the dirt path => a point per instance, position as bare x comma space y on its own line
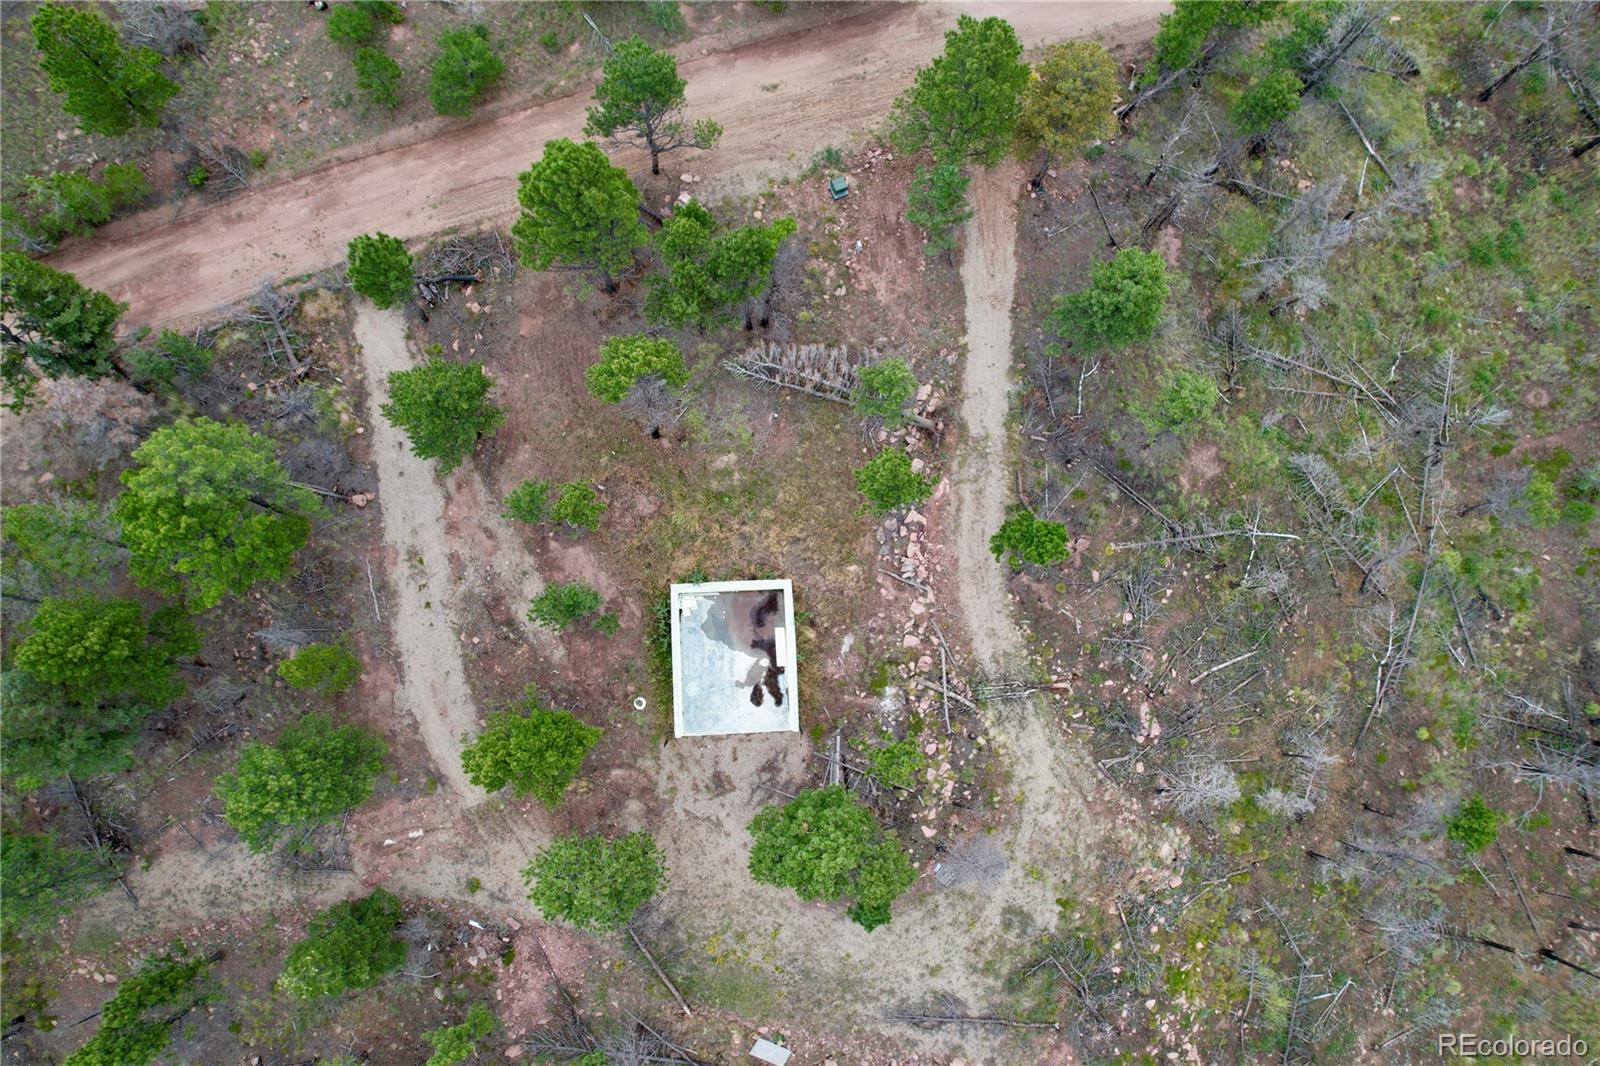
429, 612
780, 100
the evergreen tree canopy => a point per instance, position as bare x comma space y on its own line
888, 482
624, 360
378, 77
595, 883
52, 326
709, 273
454, 1044
1025, 537
1067, 104
109, 88
350, 945
640, 94
937, 201
536, 750
207, 509
884, 389
964, 105
380, 269
85, 676
444, 408
578, 211
136, 1023
40, 880
825, 844
1122, 305
465, 68
314, 773
1267, 101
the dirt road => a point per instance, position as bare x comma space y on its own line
780, 100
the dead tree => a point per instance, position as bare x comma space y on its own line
1200, 787
172, 31
269, 312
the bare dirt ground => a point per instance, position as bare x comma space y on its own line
794, 95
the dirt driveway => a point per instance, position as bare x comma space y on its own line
780, 100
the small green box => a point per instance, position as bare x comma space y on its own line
839, 188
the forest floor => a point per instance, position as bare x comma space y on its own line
796, 94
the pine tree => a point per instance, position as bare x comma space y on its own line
380, 269
109, 88
378, 77
444, 408
708, 273
624, 360
313, 774
937, 201
595, 883
640, 94
465, 68
1067, 104
964, 105
1123, 304
207, 509
578, 211
52, 326
350, 945
536, 750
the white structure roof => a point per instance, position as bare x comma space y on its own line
733, 658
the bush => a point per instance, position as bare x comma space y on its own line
1123, 303
578, 505
40, 880
351, 25
1024, 537
1474, 826
465, 68
169, 356
528, 502
1186, 401
327, 669
444, 408
314, 774
536, 750
624, 360
454, 1044
378, 77
885, 387
666, 16
888, 482
559, 605
897, 762
594, 883
348, 946
1266, 102
198, 176
825, 844
550, 41
383, 11
380, 268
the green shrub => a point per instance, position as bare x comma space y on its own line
624, 360
378, 77
550, 41
348, 946
897, 762
578, 505
328, 669
454, 1044
1266, 102
1187, 400
1024, 537
536, 750
169, 356
198, 176
666, 16
1474, 826
351, 25
884, 389
559, 605
383, 11
444, 408
888, 482
595, 883
1122, 305
465, 68
314, 774
528, 501
825, 844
